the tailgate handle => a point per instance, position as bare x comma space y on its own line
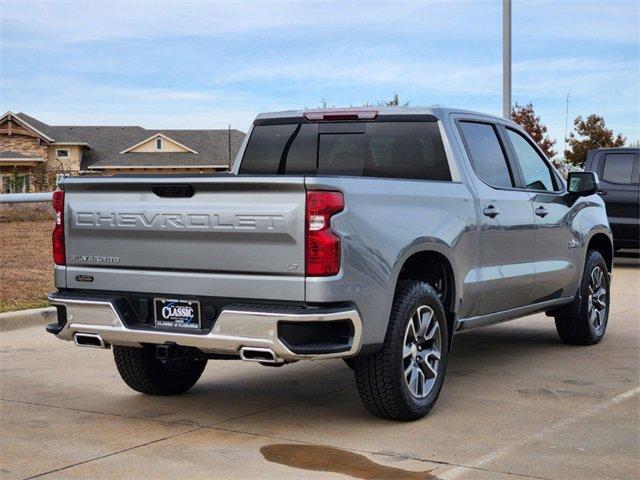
173, 191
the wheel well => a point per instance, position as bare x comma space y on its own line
601, 243
435, 269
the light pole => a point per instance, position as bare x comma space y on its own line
506, 58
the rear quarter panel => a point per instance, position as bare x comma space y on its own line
385, 221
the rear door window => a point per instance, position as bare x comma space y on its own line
410, 150
618, 168
487, 156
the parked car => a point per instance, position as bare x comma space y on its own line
619, 172
371, 235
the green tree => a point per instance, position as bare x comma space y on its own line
394, 102
526, 117
589, 134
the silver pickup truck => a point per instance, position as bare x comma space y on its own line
371, 235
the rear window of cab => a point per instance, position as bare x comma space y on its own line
408, 150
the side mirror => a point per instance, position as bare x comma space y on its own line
582, 184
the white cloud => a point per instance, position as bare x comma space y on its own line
96, 21
444, 52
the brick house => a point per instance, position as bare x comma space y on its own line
33, 153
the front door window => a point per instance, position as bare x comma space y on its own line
536, 171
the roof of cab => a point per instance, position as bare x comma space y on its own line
438, 112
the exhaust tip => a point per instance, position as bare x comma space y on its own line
90, 340
257, 354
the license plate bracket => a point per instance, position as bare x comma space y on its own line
178, 314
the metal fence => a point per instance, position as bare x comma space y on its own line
25, 197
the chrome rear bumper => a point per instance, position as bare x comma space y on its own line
233, 330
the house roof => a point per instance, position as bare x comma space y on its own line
27, 125
8, 155
106, 142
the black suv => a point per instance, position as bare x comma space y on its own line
619, 172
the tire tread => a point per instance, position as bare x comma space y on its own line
376, 374
142, 372
575, 330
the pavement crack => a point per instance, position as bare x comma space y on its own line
107, 455
95, 412
274, 407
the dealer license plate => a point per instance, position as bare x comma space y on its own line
175, 313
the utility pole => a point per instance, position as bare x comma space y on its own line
566, 124
506, 58
229, 143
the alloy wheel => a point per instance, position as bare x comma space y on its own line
597, 302
421, 351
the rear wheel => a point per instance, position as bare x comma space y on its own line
403, 380
145, 373
590, 323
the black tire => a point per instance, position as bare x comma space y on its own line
143, 372
349, 362
382, 384
579, 329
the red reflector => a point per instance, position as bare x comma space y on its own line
336, 114
57, 237
322, 246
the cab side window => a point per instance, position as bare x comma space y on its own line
488, 158
536, 171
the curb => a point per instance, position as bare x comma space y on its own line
26, 318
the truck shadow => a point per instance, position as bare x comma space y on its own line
314, 384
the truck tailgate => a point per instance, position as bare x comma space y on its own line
212, 224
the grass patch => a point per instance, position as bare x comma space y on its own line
12, 305
26, 212
26, 264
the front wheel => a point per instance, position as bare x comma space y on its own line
590, 323
403, 380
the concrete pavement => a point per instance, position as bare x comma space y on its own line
516, 404
26, 318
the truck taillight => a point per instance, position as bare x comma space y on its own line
341, 114
322, 246
57, 238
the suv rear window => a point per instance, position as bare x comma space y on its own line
410, 150
618, 167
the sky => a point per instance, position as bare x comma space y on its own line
210, 64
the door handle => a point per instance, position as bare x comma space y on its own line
542, 212
602, 193
491, 211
